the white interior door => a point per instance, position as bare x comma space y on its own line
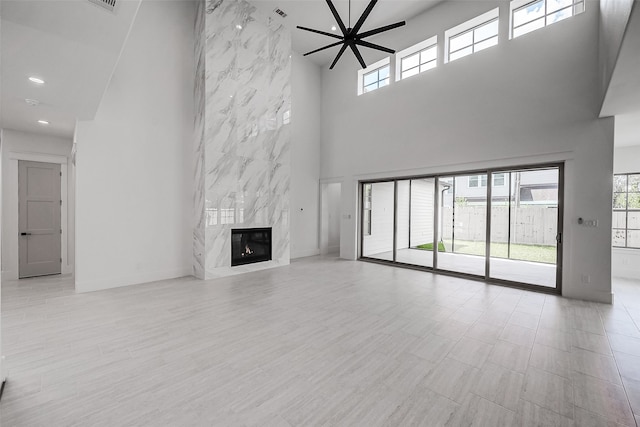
39, 218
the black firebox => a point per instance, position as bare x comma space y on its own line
249, 245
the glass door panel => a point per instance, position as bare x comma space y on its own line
463, 222
524, 226
378, 220
415, 237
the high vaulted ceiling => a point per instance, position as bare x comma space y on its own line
623, 97
316, 14
73, 45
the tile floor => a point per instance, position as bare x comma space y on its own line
321, 342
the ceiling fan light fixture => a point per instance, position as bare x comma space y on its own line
352, 37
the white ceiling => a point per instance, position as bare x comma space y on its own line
73, 45
316, 14
623, 96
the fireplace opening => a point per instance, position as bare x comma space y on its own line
250, 245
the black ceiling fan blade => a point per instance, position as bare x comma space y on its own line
364, 16
323, 48
381, 29
335, 61
374, 46
324, 33
356, 52
337, 17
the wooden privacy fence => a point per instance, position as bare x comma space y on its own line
530, 225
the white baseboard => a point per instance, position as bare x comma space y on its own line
118, 282
9, 275
305, 254
590, 295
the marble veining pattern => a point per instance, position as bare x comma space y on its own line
199, 152
246, 144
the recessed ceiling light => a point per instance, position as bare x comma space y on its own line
32, 102
36, 80
43, 122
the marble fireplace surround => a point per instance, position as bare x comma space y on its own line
243, 139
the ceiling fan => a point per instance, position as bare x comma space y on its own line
351, 37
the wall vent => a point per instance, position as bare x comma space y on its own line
280, 12
107, 4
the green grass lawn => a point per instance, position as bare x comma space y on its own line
429, 247
533, 253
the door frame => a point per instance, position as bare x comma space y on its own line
323, 226
561, 165
12, 219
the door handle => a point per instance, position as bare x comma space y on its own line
25, 234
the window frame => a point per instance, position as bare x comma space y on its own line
471, 26
496, 175
419, 48
517, 5
480, 181
386, 62
367, 199
624, 210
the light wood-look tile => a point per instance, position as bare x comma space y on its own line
603, 398
549, 391
532, 415
625, 344
551, 360
471, 351
476, 411
486, 332
320, 342
592, 342
554, 338
595, 365
628, 365
526, 320
499, 385
518, 335
584, 418
632, 387
452, 379
510, 356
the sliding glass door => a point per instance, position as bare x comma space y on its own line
524, 226
415, 226
463, 236
501, 225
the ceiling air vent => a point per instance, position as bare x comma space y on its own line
107, 4
280, 12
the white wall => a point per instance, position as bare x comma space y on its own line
2, 375
333, 197
381, 238
626, 262
306, 96
17, 146
627, 159
530, 100
422, 212
404, 213
614, 16
133, 167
